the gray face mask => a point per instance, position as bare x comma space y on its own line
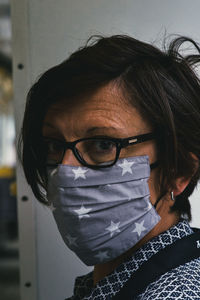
102, 213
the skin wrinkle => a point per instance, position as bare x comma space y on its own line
97, 117
106, 108
95, 110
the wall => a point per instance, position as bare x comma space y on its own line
46, 32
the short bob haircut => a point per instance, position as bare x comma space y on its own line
162, 85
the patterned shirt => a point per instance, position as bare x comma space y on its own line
182, 282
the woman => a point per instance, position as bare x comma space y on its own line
111, 140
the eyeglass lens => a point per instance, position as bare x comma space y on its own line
93, 152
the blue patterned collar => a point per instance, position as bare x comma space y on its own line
112, 283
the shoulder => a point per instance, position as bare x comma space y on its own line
179, 283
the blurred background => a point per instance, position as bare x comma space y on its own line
9, 246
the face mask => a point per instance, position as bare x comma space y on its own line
102, 213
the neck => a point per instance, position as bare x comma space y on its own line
167, 220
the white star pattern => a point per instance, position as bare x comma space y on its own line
113, 228
139, 227
79, 173
83, 212
101, 255
126, 167
71, 240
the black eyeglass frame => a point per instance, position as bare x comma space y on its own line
120, 143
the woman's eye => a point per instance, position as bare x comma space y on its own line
96, 147
97, 151
99, 148
53, 151
53, 147
103, 146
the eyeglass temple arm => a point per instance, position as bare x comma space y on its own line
141, 138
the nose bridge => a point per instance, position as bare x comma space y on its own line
69, 145
69, 157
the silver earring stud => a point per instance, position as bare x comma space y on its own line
172, 196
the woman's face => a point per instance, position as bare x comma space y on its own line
104, 113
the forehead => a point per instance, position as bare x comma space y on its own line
106, 107
107, 97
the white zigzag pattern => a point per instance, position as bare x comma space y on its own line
180, 283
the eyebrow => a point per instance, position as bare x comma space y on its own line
96, 128
92, 129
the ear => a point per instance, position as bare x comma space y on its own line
181, 184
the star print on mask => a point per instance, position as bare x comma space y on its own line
102, 212
83, 212
126, 167
79, 173
102, 255
113, 228
71, 240
139, 228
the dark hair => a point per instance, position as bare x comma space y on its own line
162, 85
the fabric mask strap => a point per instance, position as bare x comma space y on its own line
159, 198
154, 165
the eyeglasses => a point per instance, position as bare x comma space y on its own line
93, 152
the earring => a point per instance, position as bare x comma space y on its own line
172, 196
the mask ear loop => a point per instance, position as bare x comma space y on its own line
173, 198
159, 198
171, 194
153, 166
